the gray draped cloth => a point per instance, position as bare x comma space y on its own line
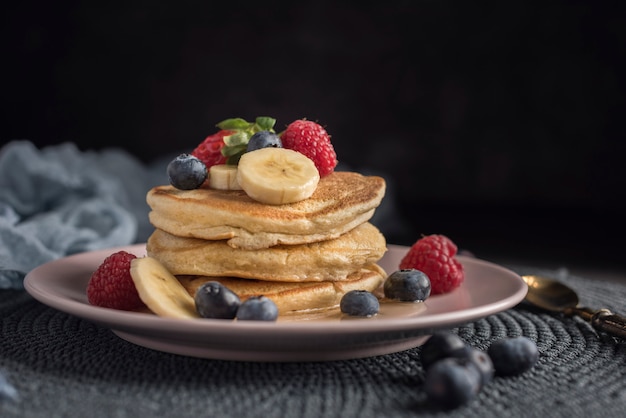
59, 201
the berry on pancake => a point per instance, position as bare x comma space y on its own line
228, 144
312, 140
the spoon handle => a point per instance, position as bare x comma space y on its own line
603, 320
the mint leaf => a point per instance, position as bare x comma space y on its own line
234, 124
265, 123
236, 139
230, 151
234, 159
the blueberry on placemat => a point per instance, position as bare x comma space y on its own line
512, 356
450, 383
441, 345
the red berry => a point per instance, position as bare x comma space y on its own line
434, 255
111, 285
210, 150
312, 140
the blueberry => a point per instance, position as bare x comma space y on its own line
512, 356
214, 300
441, 345
407, 285
450, 383
483, 364
186, 172
258, 308
359, 303
264, 139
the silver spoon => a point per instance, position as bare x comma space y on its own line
554, 296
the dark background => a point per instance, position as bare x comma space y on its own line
497, 123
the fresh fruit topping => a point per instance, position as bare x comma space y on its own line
231, 141
223, 177
186, 172
257, 308
216, 301
434, 255
312, 140
513, 356
264, 139
160, 290
441, 345
111, 285
209, 151
449, 383
407, 285
277, 175
359, 303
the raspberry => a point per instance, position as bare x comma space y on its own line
111, 285
434, 255
312, 140
209, 151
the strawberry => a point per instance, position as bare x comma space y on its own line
209, 151
312, 140
111, 285
434, 255
228, 144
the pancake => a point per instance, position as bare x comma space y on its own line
330, 260
342, 201
296, 297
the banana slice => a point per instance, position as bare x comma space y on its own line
277, 175
160, 290
223, 177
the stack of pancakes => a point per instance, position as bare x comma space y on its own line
304, 255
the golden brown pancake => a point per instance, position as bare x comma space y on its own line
330, 260
295, 297
342, 201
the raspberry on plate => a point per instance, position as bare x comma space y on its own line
111, 285
434, 255
312, 140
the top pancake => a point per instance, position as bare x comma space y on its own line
342, 201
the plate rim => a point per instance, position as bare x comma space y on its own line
149, 326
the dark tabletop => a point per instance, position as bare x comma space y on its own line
64, 366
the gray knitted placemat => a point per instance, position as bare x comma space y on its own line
63, 366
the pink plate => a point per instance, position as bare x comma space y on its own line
487, 289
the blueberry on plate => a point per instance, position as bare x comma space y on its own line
441, 345
407, 285
214, 300
257, 308
264, 139
186, 172
513, 356
359, 303
450, 383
